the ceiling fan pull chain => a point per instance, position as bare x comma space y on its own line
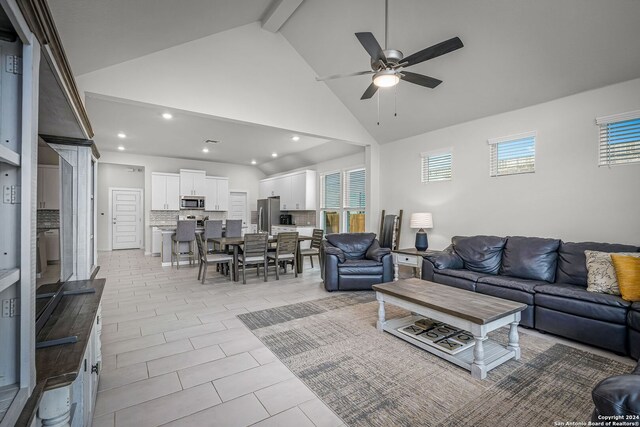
378, 93
395, 101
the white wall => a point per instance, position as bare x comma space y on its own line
242, 178
568, 196
113, 175
246, 74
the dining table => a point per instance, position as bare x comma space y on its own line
237, 242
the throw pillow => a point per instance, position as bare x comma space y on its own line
601, 275
628, 272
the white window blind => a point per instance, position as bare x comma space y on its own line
354, 181
436, 167
619, 139
331, 190
513, 154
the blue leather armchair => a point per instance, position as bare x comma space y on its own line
354, 261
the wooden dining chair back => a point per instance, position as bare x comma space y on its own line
207, 258
185, 233
314, 249
254, 253
212, 230
286, 251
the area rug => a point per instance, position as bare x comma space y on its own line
375, 379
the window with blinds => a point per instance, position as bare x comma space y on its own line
619, 141
354, 183
436, 167
513, 154
331, 190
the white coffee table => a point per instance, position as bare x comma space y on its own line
466, 310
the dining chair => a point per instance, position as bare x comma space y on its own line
212, 230
254, 253
207, 258
314, 249
185, 233
233, 228
286, 251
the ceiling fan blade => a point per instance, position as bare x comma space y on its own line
339, 76
371, 45
420, 79
371, 90
434, 51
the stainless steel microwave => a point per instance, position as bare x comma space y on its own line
192, 202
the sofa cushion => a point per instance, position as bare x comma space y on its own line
576, 292
480, 253
446, 258
532, 258
462, 273
360, 266
354, 245
572, 264
601, 275
633, 319
512, 283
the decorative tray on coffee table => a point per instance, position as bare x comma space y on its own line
438, 334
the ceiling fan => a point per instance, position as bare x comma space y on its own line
387, 66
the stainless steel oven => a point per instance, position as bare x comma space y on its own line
192, 202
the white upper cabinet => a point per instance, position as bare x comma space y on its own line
216, 194
192, 182
48, 187
297, 190
165, 191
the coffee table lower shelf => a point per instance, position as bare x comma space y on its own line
494, 353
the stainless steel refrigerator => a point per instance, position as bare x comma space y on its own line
268, 214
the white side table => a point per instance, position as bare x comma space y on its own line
410, 257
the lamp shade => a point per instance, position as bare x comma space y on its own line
421, 220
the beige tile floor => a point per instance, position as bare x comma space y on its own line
174, 352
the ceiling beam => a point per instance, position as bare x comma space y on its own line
278, 13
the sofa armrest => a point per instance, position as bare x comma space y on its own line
329, 250
445, 259
376, 253
619, 395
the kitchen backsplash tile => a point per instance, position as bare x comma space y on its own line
48, 218
298, 217
171, 217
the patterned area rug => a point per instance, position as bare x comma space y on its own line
375, 379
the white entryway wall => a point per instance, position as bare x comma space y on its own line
118, 176
568, 196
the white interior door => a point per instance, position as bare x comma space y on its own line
126, 218
238, 206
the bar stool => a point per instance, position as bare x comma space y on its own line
212, 230
185, 233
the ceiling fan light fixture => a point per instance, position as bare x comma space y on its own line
386, 78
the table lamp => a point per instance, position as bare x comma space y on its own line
421, 221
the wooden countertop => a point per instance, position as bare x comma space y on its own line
58, 366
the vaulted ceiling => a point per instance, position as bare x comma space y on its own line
207, 57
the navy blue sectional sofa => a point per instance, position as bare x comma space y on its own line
548, 275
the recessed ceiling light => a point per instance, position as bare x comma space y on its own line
167, 116
274, 154
296, 138
253, 162
122, 135
121, 148
205, 150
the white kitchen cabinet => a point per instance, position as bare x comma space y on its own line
216, 194
192, 182
165, 191
48, 187
297, 190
